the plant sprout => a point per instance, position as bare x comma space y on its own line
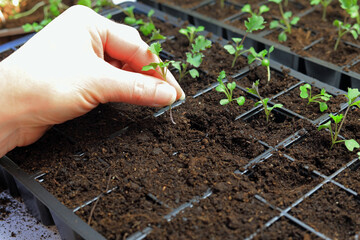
264, 101
130, 18
285, 22
193, 58
324, 3
352, 8
228, 90
262, 56
160, 67
305, 92
252, 24
262, 9
190, 32
339, 120
344, 28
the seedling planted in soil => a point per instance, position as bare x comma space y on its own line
190, 32
344, 28
339, 120
228, 90
193, 58
285, 23
324, 3
262, 56
352, 8
160, 67
305, 92
264, 101
262, 9
252, 24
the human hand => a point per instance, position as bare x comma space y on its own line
79, 60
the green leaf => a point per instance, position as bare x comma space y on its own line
177, 65
287, 14
240, 100
325, 125
201, 43
246, 8
184, 31
224, 101
304, 90
315, 2
156, 35
150, 13
129, 20
257, 103
353, 93
86, 3
282, 37
271, 49
278, 105
151, 66
274, 24
254, 23
351, 144
323, 106
147, 28
337, 118
354, 33
263, 9
155, 48
231, 86
294, 21
27, 27
337, 23
237, 40
194, 59
194, 73
230, 49
253, 91
222, 75
276, 1
221, 88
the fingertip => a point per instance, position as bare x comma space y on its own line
165, 94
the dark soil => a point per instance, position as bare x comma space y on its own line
295, 103
350, 178
215, 10
183, 3
331, 211
123, 169
356, 67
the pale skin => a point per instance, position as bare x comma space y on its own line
78, 61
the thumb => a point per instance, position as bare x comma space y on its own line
117, 85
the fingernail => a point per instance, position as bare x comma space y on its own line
182, 95
165, 95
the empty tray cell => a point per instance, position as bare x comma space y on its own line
350, 177
230, 211
331, 211
280, 181
122, 212
285, 229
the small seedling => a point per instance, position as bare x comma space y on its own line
344, 28
264, 101
262, 9
160, 67
263, 56
285, 23
339, 120
130, 18
148, 27
253, 23
228, 90
190, 32
352, 8
193, 58
51, 11
305, 92
324, 3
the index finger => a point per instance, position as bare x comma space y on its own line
124, 43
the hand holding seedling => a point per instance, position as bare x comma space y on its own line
352, 96
305, 92
69, 68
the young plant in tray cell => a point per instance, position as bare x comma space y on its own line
253, 23
285, 23
344, 28
193, 58
324, 3
263, 56
160, 67
130, 18
262, 9
352, 8
264, 101
339, 120
190, 32
228, 91
321, 98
